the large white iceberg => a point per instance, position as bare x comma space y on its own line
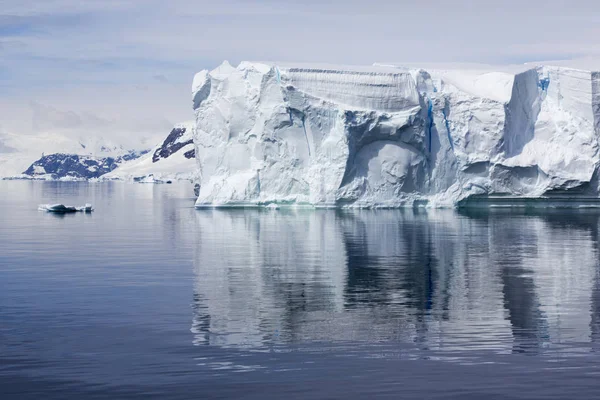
387, 136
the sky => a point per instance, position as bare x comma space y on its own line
123, 68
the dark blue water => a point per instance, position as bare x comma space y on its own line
149, 298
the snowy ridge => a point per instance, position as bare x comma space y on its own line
390, 137
173, 159
179, 137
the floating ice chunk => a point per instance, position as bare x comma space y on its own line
62, 209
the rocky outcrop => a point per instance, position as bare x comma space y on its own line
177, 139
74, 166
56, 166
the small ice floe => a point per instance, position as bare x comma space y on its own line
272, 206
62, 209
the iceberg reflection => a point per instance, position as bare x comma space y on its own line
434, 281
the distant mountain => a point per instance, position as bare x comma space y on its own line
56, 166
173, 159
17, 152
48, 150
56, 157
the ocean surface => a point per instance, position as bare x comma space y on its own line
149, 298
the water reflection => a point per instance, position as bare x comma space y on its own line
434, 281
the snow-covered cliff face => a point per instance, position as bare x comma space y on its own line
384, 136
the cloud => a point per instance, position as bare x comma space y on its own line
99, 49
50, 118
4, 148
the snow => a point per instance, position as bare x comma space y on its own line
496, 86
174, 167
39, 170
393, 135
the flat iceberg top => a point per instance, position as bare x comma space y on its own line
391, 68
587, 64
359, 87
494, 82
365, 69
584, 64
384, 85
491, 81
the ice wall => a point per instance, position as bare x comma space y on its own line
392, 137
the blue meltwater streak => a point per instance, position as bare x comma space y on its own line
431, 123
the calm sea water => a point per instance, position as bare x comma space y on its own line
149, 298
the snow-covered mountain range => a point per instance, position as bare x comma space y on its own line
61, 166
388, 136
58, 157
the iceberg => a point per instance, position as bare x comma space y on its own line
393, 136
62, 209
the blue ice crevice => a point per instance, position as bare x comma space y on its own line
431, 122
544, 83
